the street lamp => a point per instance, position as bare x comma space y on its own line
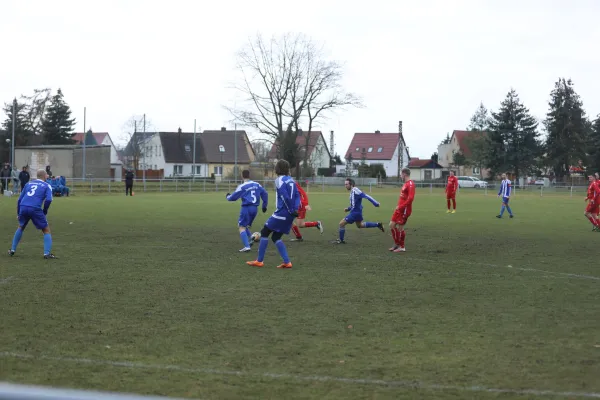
11, 153
221, 150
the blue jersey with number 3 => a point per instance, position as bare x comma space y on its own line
34, 194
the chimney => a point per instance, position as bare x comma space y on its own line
376, 132
299, 132
179, 130
223, 129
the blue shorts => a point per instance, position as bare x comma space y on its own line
353, 217
280, 223
505, 200
247, 215
36, 215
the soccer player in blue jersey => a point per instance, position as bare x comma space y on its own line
33, 205
287, 202
251, 193
355, 211
505, 190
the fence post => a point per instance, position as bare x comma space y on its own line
109, 186
160, 185
204, 185
190, 185
370, 188
91, 185
176, 184
571, 190
431, 188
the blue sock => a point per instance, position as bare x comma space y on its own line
342, 233
509, 210
282, 251
244, 237
370, 224
16, 239
248, 233
502, 210
262, 248
47, 243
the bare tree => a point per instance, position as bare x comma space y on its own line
262, 148
286, 82
133, 133
35, 108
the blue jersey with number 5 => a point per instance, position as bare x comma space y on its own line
34, 194
251, 193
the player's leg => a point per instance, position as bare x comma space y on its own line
243, 222
295, 228
40, 222
453, 202
276, 238
342, 229
24, 219
588, 214
262, 247
367, 224
508, 207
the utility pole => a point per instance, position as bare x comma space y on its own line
400, 150
235, 151
12, 144
194, 155
145, 148
84, 137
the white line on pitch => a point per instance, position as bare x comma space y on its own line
313, 378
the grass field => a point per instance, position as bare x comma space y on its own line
150, 295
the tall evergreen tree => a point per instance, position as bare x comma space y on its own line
567, 127
594, 146
479, 120
57, 125
514, 144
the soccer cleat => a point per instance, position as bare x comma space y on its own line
297, 240
320, 226
400, 250
448, 212
453, 212
50, 256
498, 216
338, 241
285, 265
255, 263
380, 226
512, 216
394, 248
245, 250
11, 253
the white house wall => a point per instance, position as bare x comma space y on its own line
153, 155
114, 156
320, 156
445, 154
418, 174
186, 170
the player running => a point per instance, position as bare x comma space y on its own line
29, 208
251, 193
451, 188
287, 203
505, 190
402, 212
300, 223
355, 211
593, 200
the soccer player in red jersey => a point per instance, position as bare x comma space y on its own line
402, 212
451, 188
299, 223
591, 211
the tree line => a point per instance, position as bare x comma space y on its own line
510, 139
39, 119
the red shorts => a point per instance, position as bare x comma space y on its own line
451, 195
301, 212
401, 216
592, 208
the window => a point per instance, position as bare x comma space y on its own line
177, 169
427, 174
188, 148
357, 149
370, 150
476, 171
379, 150
218, 170
198, 170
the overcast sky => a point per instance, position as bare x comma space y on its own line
427, 62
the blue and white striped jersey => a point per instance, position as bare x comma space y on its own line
505, 188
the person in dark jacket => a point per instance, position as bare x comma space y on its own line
5, 177
129, 183
24, 177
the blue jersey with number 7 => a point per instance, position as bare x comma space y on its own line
34, 194
251, 193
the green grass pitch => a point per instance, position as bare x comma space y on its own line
150, 295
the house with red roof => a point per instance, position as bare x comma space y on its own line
459, 142
424, 170
314, 144
102, 138
377, 148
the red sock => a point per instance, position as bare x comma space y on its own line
448, 201
296, 232
396, 236
311, 224
402, 237
593, 221
453, 204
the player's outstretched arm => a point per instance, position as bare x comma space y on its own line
47, 200
372, 200
235, 195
